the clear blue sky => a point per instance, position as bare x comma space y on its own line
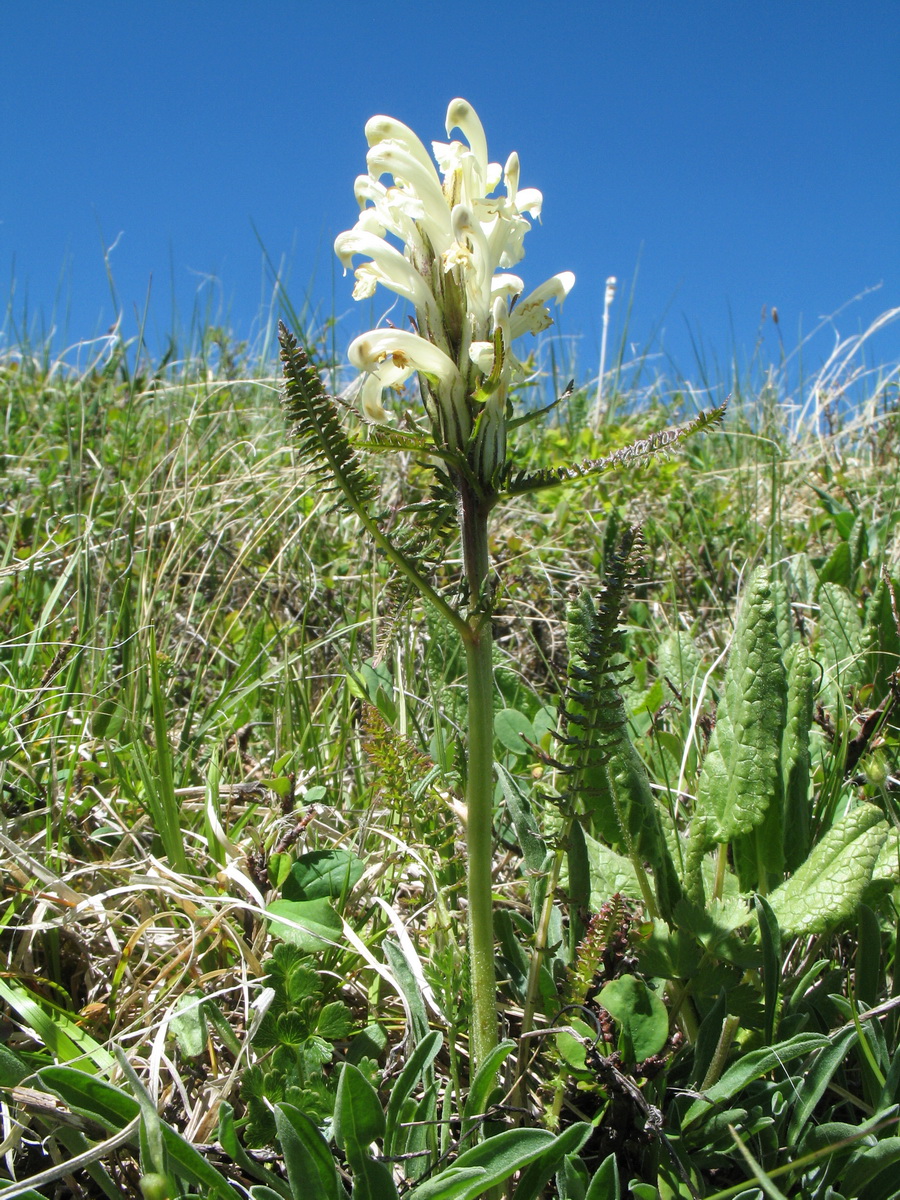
732, 153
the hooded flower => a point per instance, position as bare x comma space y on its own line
444, 238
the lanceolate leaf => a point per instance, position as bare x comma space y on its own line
828, 888
840, 636
310, 1164
495, 1160
753, 1066
795, 762
741, 776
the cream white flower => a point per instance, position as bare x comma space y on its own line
459, 227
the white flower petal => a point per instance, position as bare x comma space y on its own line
388, 266
389, 158
532, 315
370, 400
529, 200
391, 352
507, 285
461, 115
387, 129
482, 355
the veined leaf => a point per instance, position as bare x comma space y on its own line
741, 778
606, 773
840, 636
795, 760
828, 888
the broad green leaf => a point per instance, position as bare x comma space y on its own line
770, 940
307, 924
868, 1163
708, 1039
827, 889
310, 1165
741, 776
840, 637
610, 872
881, 641
189, 1024
510, 728
607, 773
678, 660
531, 843
372, 1180
452, 1184
334, 1021
811, 1087
642, 1016
886, 871
496, 1158
322, 875
231, 1144
795, 755
358, 1115
572, 1179
410, 987
12, 1069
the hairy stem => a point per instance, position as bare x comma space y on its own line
480, 778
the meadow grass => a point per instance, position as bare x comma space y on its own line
207, 672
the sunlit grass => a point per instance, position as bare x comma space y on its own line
193, 642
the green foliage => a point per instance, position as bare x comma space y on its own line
604, 773
294, 1043
316, 427
176, 806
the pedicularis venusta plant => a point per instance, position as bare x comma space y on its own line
445, 239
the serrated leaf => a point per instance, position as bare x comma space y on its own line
840, 636
741, 776
335, 1021
827, 889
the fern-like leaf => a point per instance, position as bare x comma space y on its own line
315, 425
633, 454
606, 776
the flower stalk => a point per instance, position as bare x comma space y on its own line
443, 239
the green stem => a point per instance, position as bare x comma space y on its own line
480, 776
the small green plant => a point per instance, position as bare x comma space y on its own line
293, 1044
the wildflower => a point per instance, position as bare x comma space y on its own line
460, 226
